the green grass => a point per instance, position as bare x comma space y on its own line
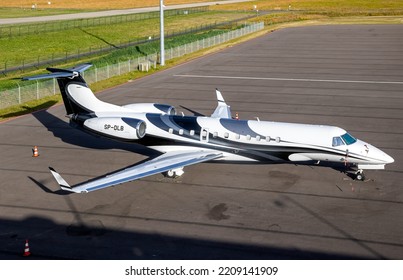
47, 102
15, 50
151, 48
332, 6
24, 12
29, 107
315, 12
121, 54
15, 30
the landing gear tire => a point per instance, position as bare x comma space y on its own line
170, 174
174, 173
360, 176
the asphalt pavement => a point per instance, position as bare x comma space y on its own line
350, 76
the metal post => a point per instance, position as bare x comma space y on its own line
96, 74
162, 47
19, 93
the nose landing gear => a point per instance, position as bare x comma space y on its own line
359, 175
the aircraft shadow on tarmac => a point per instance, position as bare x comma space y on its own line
46, 189
92, 240
67, 134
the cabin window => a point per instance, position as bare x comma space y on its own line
337, 141
258, 138
226, 135
192, 132
248, 137
215, 134
268, 138
348, 139
278, 139
181, 131
171, 130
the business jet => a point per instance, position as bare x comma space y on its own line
186, 140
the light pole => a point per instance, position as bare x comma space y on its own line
162, 46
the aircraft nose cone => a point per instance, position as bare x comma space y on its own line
377, 155
384, 157
388, 159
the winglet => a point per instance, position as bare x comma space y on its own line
222, 110
62, 183
220, 98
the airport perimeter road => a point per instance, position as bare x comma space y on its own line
111, 12
349, 76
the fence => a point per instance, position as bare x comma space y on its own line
23, 64
43, 88
26, 29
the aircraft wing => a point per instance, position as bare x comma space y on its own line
162, 163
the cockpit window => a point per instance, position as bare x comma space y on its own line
337, 141
348, 139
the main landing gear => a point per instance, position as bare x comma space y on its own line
174, 173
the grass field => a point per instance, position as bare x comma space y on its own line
91, 4
20, 13
15, 50
302, 12
23, 8
339, 5
347, 6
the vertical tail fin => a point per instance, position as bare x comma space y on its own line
64, 78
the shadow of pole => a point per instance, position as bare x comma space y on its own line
339, 230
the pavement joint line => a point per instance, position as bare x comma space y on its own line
289, 79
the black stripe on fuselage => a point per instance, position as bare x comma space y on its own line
239, 127
262, 153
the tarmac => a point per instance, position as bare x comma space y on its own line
349, 76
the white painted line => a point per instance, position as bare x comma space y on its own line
291, 79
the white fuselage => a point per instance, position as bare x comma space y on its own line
256, 141
239, 140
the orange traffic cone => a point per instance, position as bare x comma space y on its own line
236, 116
35, 152
26, 250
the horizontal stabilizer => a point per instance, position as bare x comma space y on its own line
79, 68
60, 73
49, 76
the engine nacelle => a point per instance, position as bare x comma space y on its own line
151, 108
121, 128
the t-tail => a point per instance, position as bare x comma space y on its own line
77, 96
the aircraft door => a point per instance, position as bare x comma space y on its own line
204, 135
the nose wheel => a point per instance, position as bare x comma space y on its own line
359, 175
